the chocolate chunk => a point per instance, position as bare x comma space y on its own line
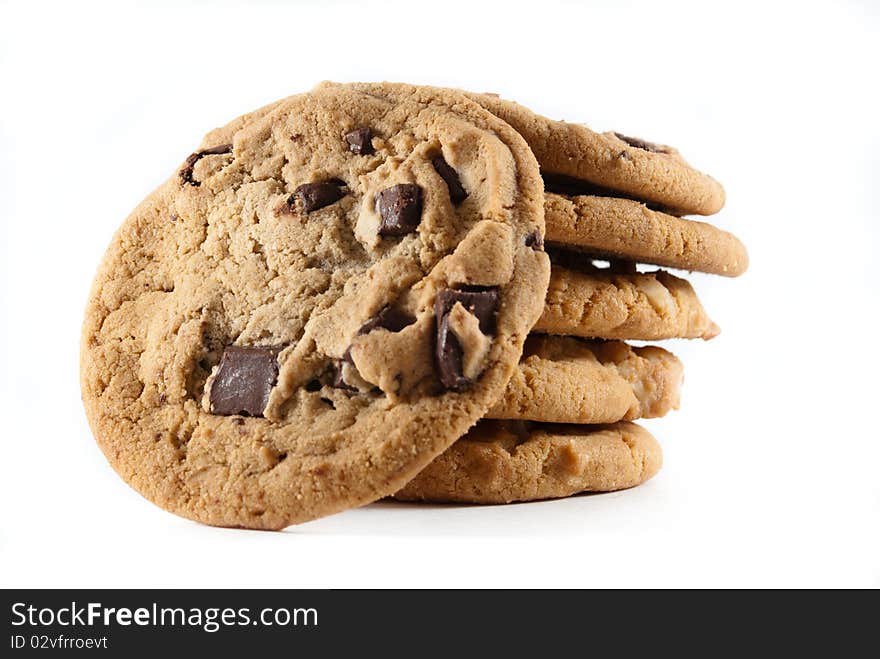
216, 150
457, 193
244, 380
535, 240
186, 174
313, 196
642, 144
400, 207
390, 319
481, 302
360, 141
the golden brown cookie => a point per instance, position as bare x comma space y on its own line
603, 304
569, 380
505, 461
626, 229
327, 294
626, 166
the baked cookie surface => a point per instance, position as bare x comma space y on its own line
604, 304
628, 166
569, 380
627, 229
506, 461
327, 294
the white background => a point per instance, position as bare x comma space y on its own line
772, 465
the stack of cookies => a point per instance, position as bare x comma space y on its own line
564, 424
376, 290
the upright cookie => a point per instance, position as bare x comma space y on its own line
604, 304
627, 166
327, 294
569, 380
505, 461
626, 229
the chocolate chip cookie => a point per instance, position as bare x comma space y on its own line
607, 303
611, 163
629, 230
506, 461
570, 380
326, 294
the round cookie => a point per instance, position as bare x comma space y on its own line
629, 166
626, 229
327, 294
505, 461
569, 380
604, 304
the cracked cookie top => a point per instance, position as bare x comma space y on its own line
327, 293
